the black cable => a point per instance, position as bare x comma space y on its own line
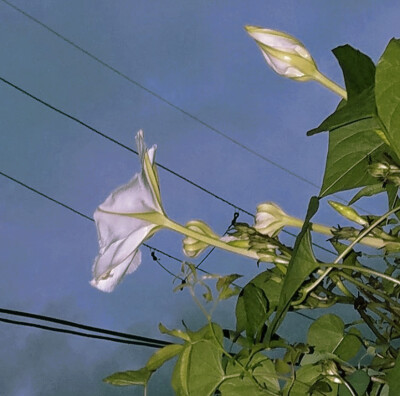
81, 334
135, 152
82, 326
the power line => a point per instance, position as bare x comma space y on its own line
135, 152
63, 322
120, 144
161, 98
78, 333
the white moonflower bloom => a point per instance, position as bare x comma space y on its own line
123, 222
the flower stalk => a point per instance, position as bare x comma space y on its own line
164, 221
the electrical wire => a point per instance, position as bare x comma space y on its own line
161, 98
77, 333
236, 207
63, 322
117, 336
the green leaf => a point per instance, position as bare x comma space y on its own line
392, 192
326, 333
387, 89
348, 157
251, 310
263, 371
359, 76
224, 286
127, 378
350, 345
162, 355
301, 265
360, 108
306, 377
174, 333
393, 378
367, 191
359, 381
358, 69
270, 281
225, 281
198, 371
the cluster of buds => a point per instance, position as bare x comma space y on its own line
386, 170
268, 248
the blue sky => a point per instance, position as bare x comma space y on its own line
196, 55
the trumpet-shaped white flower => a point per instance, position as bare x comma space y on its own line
123, 222
285, 54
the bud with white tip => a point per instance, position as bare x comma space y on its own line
193, 247
285, 54
270, 219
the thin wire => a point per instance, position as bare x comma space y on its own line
81, 326
135, 152
119, 143
161, 98
79, 333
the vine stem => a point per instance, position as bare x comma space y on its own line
325, 230
162, 220
360, 269
344, 253
369, 288
325, 81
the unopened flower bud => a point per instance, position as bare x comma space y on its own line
270, 219
385, 170
379, 169
193, 247
348, 213
331, 372
285, 54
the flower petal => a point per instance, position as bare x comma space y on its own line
108, 282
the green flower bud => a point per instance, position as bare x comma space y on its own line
191, 246
348, 213
379, 169
285, 54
